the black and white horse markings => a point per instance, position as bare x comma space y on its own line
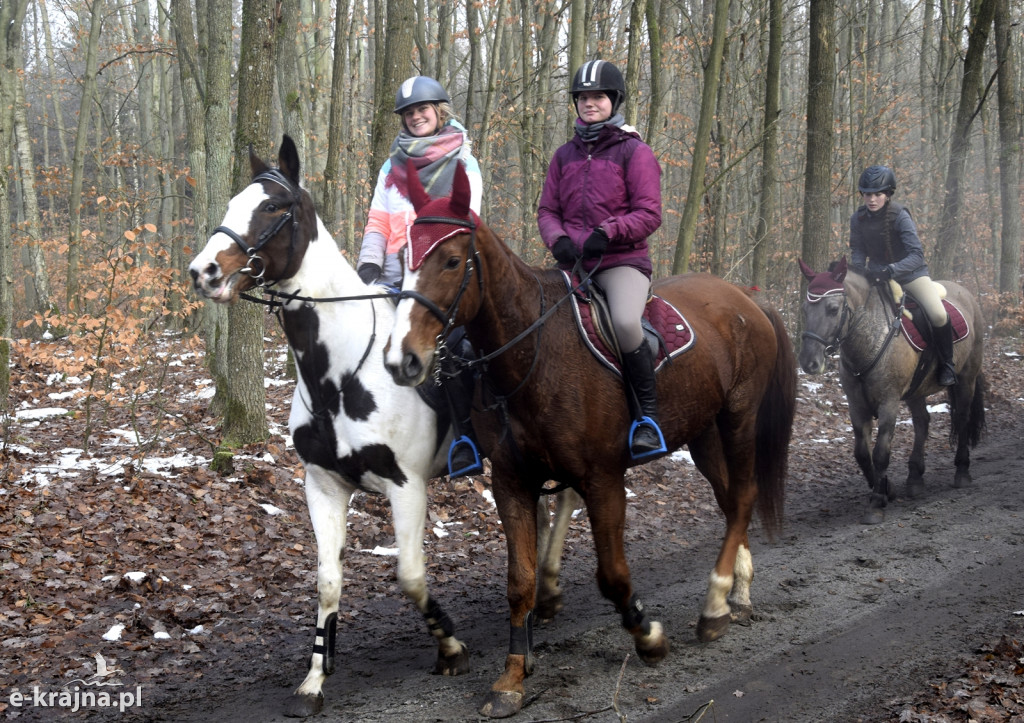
352, 426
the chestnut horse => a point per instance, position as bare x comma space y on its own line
561, 413
878, 369
353, 428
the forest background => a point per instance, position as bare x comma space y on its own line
124, 129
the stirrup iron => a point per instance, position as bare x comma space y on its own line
648, 422
475, 467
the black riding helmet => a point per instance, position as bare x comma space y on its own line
599, 75
877, 179
419, 89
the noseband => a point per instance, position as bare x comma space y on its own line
257, 266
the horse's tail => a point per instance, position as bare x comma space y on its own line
774, 427
974, 418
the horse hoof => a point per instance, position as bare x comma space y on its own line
457, 664
501, 704
709, 629
653, 647
962, 479
874, 516
914, 489
302, 705
548, 605
741, 614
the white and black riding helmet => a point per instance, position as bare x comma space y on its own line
599, 75
877, 179
419, 89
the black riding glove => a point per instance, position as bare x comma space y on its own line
563, 251
595, 244
368, 273
880, 276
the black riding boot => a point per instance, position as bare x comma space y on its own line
645, 437
946, 371
464, 452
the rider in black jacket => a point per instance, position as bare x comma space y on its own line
884, 245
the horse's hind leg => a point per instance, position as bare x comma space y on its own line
551, 532
328, 511
732, 479
409, 514
915, 473
967, 417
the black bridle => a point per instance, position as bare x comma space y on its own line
257, 267
847, 319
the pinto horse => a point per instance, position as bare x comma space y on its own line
879, 368
353, 428
561, 413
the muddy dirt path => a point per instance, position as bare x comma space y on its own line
849, 619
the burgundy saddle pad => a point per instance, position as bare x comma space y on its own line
960, 327
660, 317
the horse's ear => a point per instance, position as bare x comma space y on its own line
417, 194
839, 272
806, 270
461, 192
288, 159
256, 163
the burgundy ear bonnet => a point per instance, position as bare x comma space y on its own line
825, 283
447, 216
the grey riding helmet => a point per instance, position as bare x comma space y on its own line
419, 89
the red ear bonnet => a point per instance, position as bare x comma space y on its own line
425, 236
825, 283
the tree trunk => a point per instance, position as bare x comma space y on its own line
245, 416
395, 65
950, 233
38, 276
709, 94
769, 147
817, 232
1009, 154
12, 16
329, 208
96, 12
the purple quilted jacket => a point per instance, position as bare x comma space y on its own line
616, 184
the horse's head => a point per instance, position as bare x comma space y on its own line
438, 288
264, 234
823, 314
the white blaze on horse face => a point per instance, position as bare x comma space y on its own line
204, 266
403, 323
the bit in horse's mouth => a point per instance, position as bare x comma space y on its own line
222, 291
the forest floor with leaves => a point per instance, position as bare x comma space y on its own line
140, 566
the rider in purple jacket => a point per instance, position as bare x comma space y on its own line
601, 200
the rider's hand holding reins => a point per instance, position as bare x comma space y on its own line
596, 244
563, 251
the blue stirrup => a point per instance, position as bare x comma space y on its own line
474, 468
637, 423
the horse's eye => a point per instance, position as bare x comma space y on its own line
270, 207
833, 310
453, 262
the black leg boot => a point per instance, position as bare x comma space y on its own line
645, 437
946, 371
464, 452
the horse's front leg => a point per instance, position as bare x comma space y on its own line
882, 492
517, 508
915, 467
551, 532
328, 511
967, 419
409, 513
606, 507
